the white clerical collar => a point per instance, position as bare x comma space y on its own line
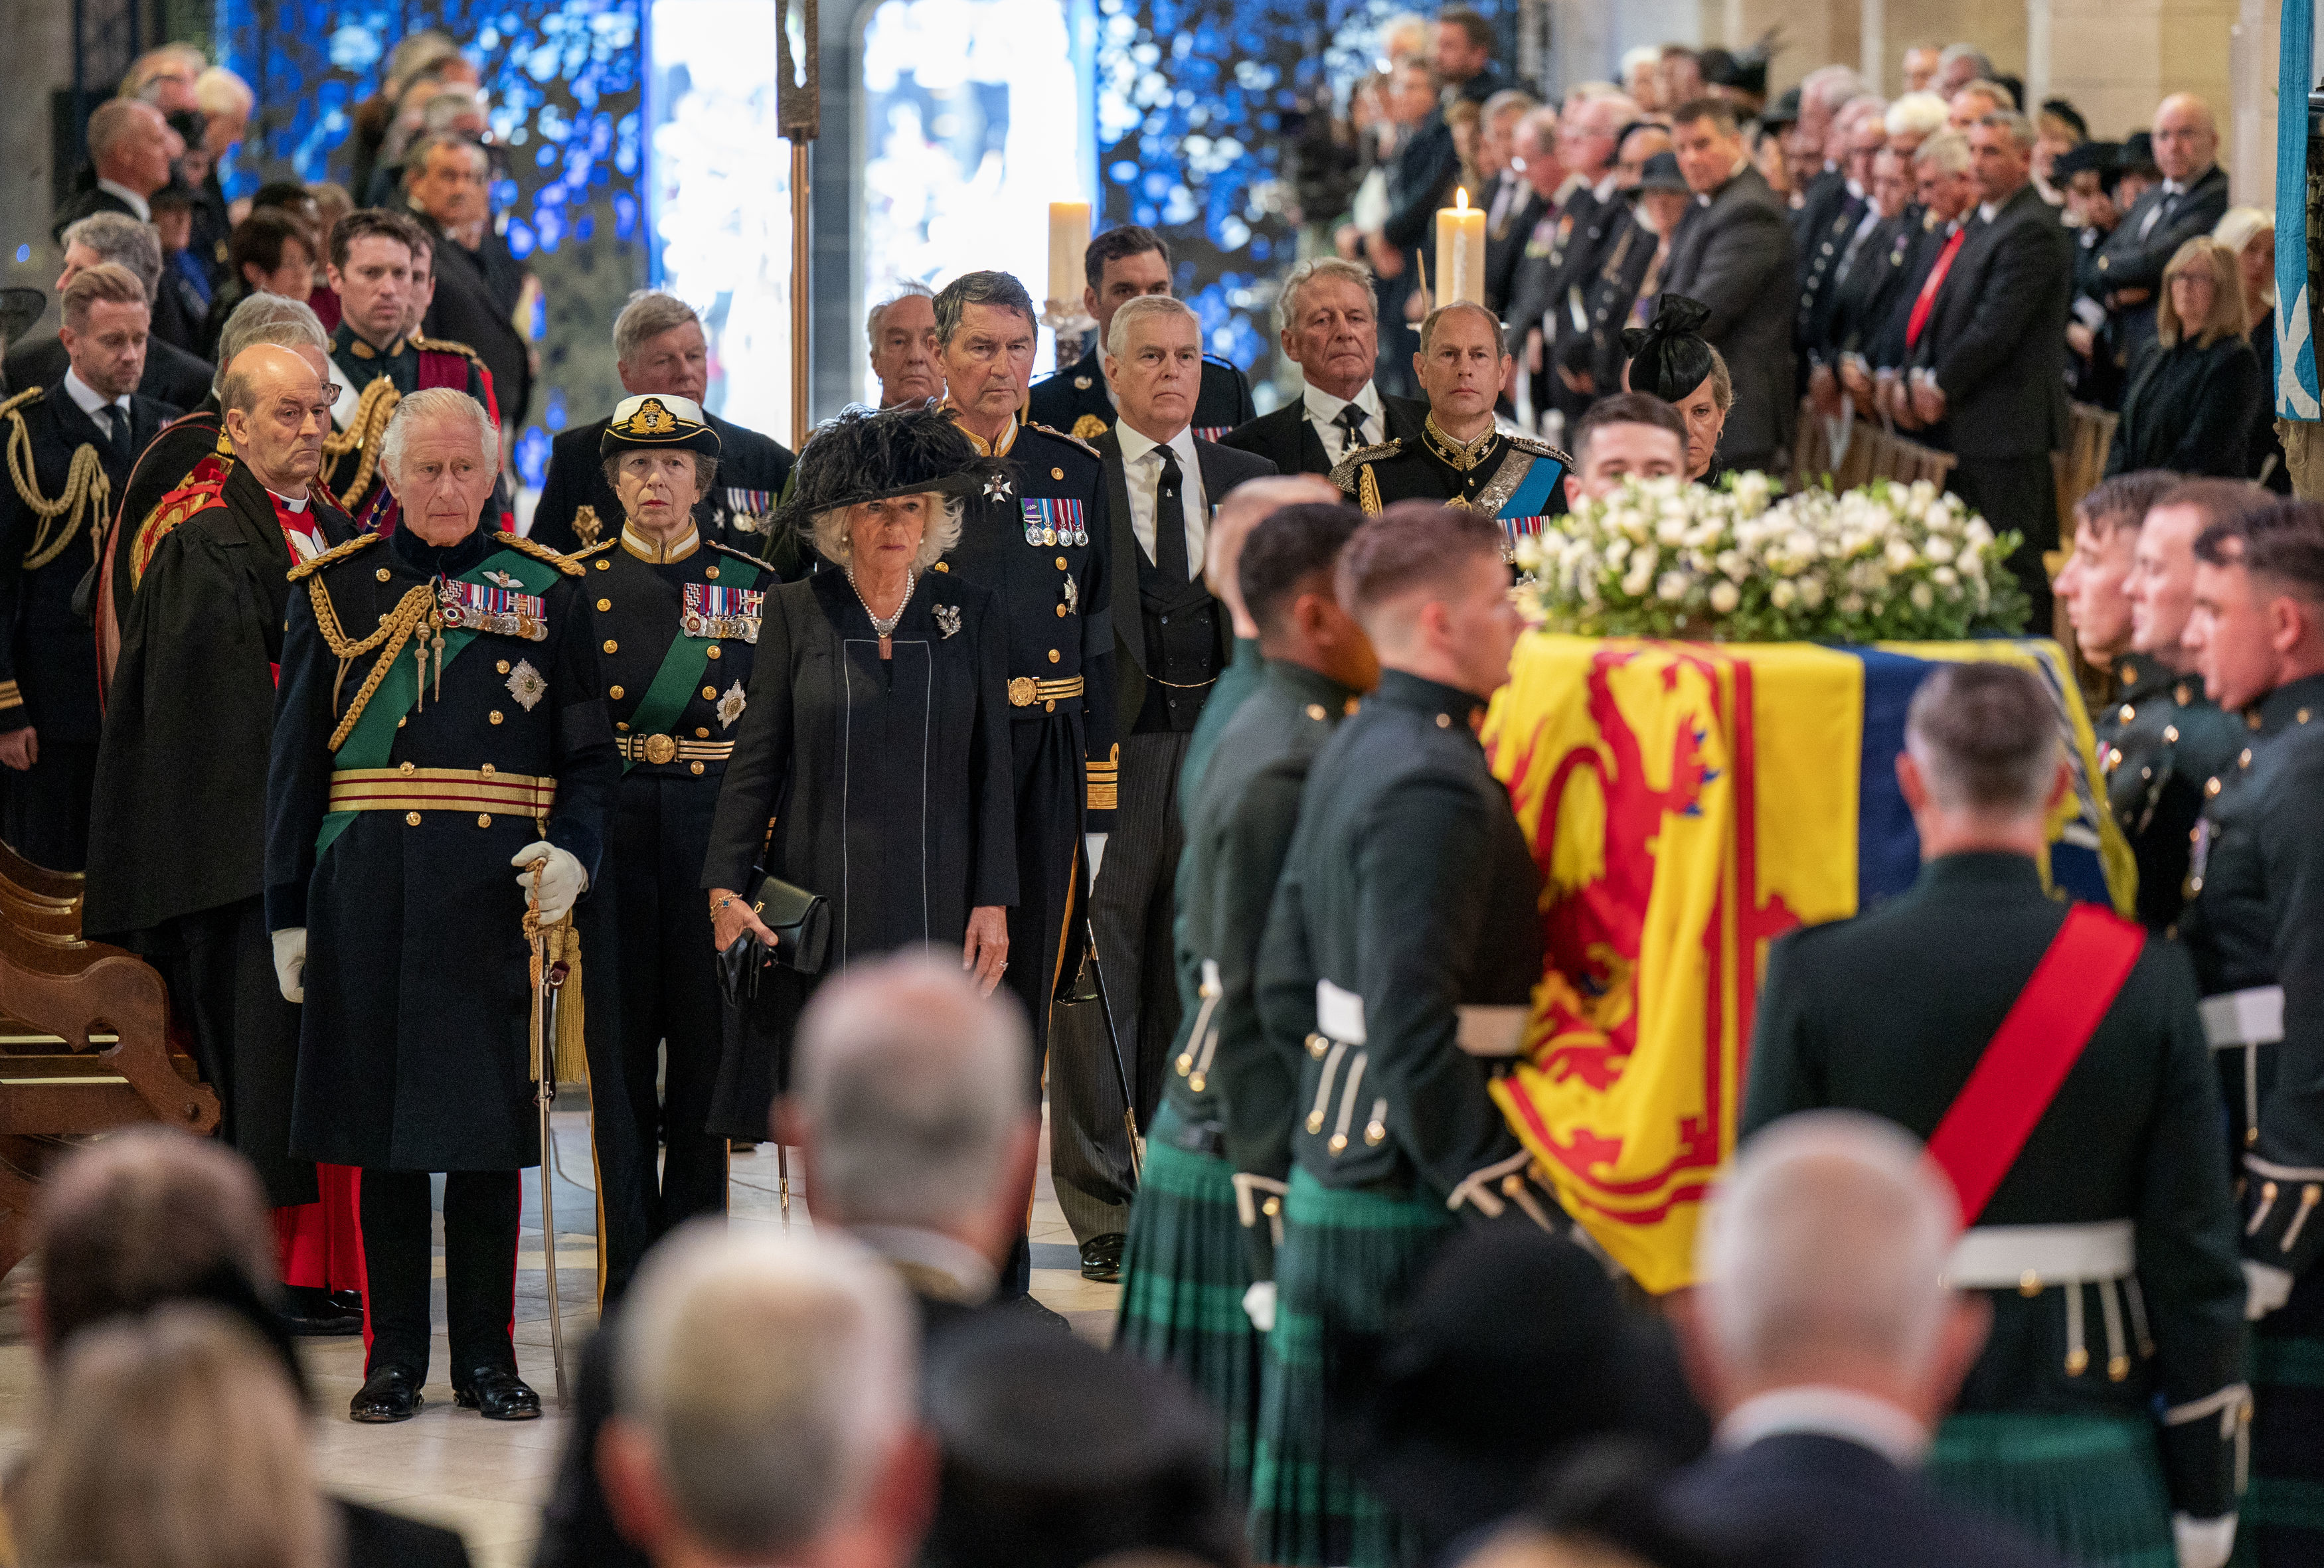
287, 504
86, 398
1827, 1412
138, 205
1324, 409
1136, 443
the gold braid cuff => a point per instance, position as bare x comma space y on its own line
372, 411
87, 487
395, 629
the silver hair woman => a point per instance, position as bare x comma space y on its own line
835, 528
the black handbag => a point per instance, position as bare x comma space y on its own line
801, 922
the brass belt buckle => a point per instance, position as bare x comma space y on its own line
660, 749
1021, 691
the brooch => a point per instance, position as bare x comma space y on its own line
525, 684
1072, 597
996, 488
505, 579
731, 706
947, 618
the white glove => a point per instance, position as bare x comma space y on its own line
1259, 1306
1094, 843
2203, 1542
2266, 1287
291, 961
561, 879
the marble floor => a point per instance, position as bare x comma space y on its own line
487, 1479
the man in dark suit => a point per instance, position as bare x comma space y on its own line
1512, 205
1826, 1341
131, 146
1734, 253
1590, 221
661, 350
2095, 1177
172, 376
1170, 644
2190, 201
1990, 366
1461, 45
48, 710
1826, 255
1330, 332
446, 178
1122, 264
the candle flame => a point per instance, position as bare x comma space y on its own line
1461, 197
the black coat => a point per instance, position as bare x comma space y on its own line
2190, 409
1073, 400
2126, 261
1736, 255
1821, 253
172, 376
1607, 295
1997, 334
465, 311
751, 472
1505, 246
168, 461
1886, 348
1287, 438
1863, 296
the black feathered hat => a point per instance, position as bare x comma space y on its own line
1668, 356
868, 455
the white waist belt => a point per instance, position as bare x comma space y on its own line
2003, 1256
1484, 1031
1339, 1013
2244, 1018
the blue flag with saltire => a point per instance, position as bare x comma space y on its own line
2296, 390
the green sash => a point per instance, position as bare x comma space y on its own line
369, 743
681, 667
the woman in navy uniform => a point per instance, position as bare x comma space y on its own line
872, 764
442, 720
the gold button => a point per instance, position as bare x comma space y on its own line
2181, 694
1061, 612
620, 726
611, 646
2212, 788
1054, 655
401, 723
709, 694
604, 604
382, 573
2300, 717
494, 715
484, 819
2250, 721
2130, 674
1057, 473
614, 692
502, 667
1316, 1045
2029, 1284
2267, 1192
2170, 734
696, 767
2127, 713
701, 734
1314, 1121
2078, 1361
1315, 711
943, 566
1061, 563
411, 819
411, 767
1339, 1143
1272, 1207
1049, 707
710, 572
486, 769
1443, 721
604, 566
2243, 761
1350, 706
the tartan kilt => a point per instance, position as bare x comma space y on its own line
1348, 1260
2283, 1511
2089, 1487
1184, 1274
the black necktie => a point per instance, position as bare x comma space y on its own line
116, 432
1351, 419
1170, 521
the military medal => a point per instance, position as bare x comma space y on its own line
1053, 520
714, 611
484, 607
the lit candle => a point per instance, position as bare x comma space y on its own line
1069, 235
1459, 252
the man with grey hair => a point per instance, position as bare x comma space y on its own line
661, 350
131, 147
903, 328
414, 818
1825, 1339
1329, 327
1511, 206
764, 1408
1823, 92
172, 374
447, 189
1171, 641
2056, 1065
1958, 65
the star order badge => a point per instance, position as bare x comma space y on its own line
947, 619
731, 706
996, 488
526, 685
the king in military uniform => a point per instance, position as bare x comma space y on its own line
1210, 1197
70, 446
2054, 1064
679, 616
2256, 927
1460, 458
441, 770
378, 259
1404, 941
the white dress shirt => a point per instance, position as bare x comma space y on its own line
90, 401
2170, 188
1827, 1412
137, 204
1141, 467
1324, 413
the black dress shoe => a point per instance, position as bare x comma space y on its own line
1102, 1257
348, 1301
390, 1394
309, 1313
496, 1394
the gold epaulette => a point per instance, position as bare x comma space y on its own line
1536, 446
586, 550
31, 395
564, 563
728, 549
372, 410
1062, 436
332, 557
1343, 471
446, 345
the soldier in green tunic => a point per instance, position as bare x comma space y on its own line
2255, 925
2101, 1231
1188, 1273
1404, 933
2159, 737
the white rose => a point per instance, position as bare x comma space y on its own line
1671, 532
1899, 556
1812, 592
1636, 583
1851, 603
1782, 595
1732, 564
1725, 597
1923, 596
1946, 577
1938, 548
1618, 552
1672, 587
1529, 554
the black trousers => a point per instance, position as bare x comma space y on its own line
480, 1239
220, 968
46, 807
2022, 493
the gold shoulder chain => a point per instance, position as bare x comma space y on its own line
372, 411
1368, 495
395, 629
86, 485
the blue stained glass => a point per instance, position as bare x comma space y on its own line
533, 455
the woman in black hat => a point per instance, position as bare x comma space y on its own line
872, 766
1669, 358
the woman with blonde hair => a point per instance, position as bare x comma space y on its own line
173, 1441
2196, 390
2250, 233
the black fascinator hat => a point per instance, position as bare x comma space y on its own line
865, 455
1668, 358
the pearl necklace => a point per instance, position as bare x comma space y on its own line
885, 628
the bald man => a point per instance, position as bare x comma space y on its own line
192, 702
2190, 201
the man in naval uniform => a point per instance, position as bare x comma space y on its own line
659, 350
2255, 925
1121, 265
2055, 1063
1460, 458
2128, 587
1406, 927
81, 433
413, 815
1201, 1229
1034, 537
376, 256
678, 614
